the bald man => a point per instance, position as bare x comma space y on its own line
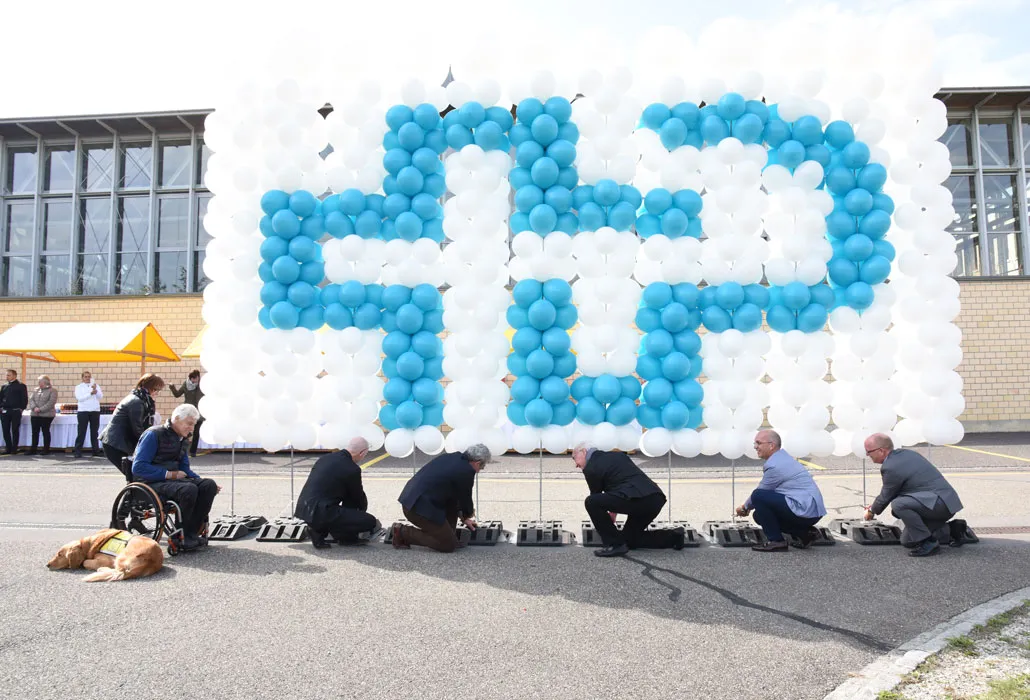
918, 495
333, 500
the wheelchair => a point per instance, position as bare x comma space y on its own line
138, 509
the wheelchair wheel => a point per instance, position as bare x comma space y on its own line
139, 510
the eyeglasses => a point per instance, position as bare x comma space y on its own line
763, 442
869, 453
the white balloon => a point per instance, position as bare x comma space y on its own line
400, 442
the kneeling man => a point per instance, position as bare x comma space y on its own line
333, 500
437, 496
786, 500
162, 462
918, 495
617, 485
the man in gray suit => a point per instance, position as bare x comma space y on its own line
919, 496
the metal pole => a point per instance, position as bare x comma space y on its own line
479, 516
732, 489
540, 481
413, 468
864, 501
232, 483
929, 453
291, 481
669, 474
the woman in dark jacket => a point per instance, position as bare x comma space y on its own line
191, 390
131, 417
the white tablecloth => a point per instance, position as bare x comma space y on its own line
62, 431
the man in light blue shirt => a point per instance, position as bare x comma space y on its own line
786, 500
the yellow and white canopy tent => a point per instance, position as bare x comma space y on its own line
86, 341
196, 345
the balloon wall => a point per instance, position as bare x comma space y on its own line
661, 246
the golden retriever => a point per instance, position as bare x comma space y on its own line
141, 556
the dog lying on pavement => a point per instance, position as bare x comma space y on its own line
113, 555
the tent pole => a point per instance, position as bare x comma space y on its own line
143, 354
23, 367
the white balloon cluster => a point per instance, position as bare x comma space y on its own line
355, 258
355, 130
549, 257
474, 264
606, 119
349, 396
796, 224
734, 393
798, 394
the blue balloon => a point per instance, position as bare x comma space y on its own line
471, 114
842, 272
568, 178
409, 319
517, 413
686, 294
273, 201
313, 227
274, 247
657, 295
807, 130
502, 117
432, 414
672, 133
528, 197
426, 391
648, 367
822, 294
731, 106
606, 389
395, 296
339, 225
675, 415
426, 344
525, 388
388, 417
525, 340
544, 129
716, 319
519, 134
875, 224
839, 134
564, 365
410, 366
884, 248
558, 198
410, 180
690, 392
781, 319
395, 159
368, 224
542, 219
874, 270
855, 155
284, 315
630, 387
747, 317
432, 321
630, 195
729, 295
528, 153
563, 413
409, 415
796, 295
582, 387
562, 152
567, 223
330, 294
272, 292
675, 366
554, 390
544, 172
748, 129
397, 390
883, 202
687, 342
338, 316
542, 314
302, 295
555, 340
408, 226
591, 217
526, 291
858, 247
489, 136
756, 294
840, 180
539, 363
791, 154
648, 225
649, 417
426, 297
840, 224
621, 411
388, 321
872, 177
655, 115
859, 295
675, 317
458, 136
657, 392
590, 411
714, 129
529, 109
426, 116
285, 223
569, 132
395, 344
396, 204
858, 202
350, 202
265, 226
302, 249
399, 115
658, 342
285, 270
674, 222
759, 109
776, 132
352, 293
606, 192
689, 113
648, 319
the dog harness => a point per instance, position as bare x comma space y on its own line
116, 543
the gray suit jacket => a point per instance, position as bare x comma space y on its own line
908, 473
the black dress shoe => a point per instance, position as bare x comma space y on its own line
318, 539
612, 550
926, 548
958, 533
771, 546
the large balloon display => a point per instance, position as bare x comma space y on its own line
656, 249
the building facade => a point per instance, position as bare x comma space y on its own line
101, 218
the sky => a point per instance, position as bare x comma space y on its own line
68, 57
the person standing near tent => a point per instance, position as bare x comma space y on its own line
131, 418
191, 389
42, 405
88, 394
14, 398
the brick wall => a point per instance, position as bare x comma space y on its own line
177, 318
995, 367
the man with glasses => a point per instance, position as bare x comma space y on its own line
918, 495
786, 500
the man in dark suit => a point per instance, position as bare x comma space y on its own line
436, 496
14, 398
617, 485
919, 496
333, 500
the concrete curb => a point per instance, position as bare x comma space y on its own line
886, 672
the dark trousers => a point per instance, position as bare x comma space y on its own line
641, 512
423, 531
773, 513
10, 420
90, 419
115, 457
921, 523
41, 423
344, 524
194, 497
196, 437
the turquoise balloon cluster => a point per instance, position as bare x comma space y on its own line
606, 399
353, 304
688, 124
732, 305
487, 127
672, 214
606, 204
292, 264
797, 306
414, 180
541, 360
544, 176
413, 366
669, 360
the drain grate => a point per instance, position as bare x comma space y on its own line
1013, 530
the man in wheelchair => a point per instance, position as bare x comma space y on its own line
162, 462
